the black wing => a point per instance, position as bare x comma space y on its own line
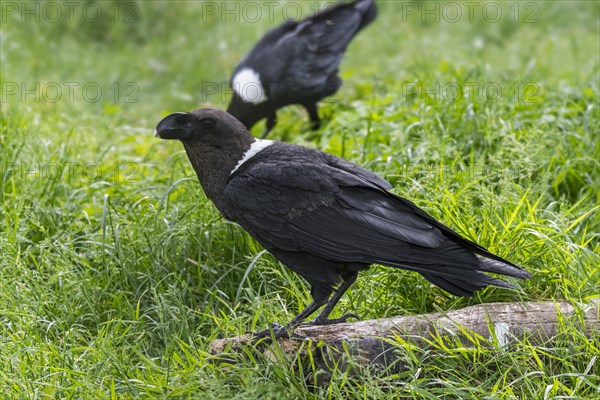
321, 41
327, 207
262, 53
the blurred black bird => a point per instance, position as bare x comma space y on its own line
323, 217
296, 63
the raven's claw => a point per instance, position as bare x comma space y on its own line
275, 330
332, 321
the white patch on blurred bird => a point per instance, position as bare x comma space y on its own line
248, 86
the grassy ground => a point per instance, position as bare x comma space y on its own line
116, 272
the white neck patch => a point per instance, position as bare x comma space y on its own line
254, 149
247, 85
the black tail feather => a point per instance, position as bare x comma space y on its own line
450, 287
498, 267
467, 279
468, 286
369, 12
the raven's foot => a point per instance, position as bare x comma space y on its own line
275, 331
331, 321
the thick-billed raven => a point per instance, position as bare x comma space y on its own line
323, 217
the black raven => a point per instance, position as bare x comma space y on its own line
296, 63
323, 217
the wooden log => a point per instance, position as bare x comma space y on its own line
374, 342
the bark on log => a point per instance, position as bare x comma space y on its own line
374, 342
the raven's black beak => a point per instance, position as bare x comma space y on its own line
172, 127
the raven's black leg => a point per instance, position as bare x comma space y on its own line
314, 115
322, 318
271, 121
283, 331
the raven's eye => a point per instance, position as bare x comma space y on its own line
207, 122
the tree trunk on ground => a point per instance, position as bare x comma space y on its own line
375, 342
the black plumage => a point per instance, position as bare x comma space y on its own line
296, 63
323, 217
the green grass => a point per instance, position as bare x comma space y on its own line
116, 272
